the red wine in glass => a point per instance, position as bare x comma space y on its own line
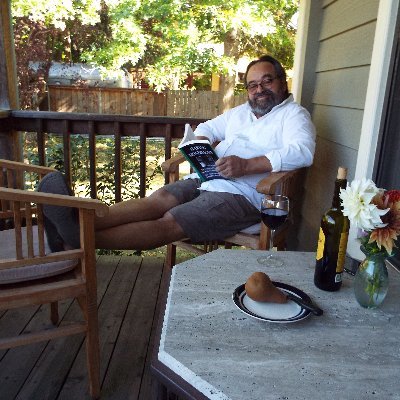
274, 217
274, 212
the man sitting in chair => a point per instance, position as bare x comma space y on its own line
270, 132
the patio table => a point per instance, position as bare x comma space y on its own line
210, 349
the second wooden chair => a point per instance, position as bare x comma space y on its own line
31, 275
288, 183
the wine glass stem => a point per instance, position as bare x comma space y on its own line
271, 240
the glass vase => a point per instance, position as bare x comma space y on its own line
371, 281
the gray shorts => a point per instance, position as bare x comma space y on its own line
207, 215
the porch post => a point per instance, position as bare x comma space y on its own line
10, 145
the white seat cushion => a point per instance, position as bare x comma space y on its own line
27, 273
253, 229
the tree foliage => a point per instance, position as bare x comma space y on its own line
169, 39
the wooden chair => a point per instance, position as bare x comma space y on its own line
288, 183
31, 275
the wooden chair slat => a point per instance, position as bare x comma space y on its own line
39, 216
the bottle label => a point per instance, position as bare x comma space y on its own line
321, 244
338, 278
342, 252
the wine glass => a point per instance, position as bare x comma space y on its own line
274, 212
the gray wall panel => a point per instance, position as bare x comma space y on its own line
349, 49
325, 3
319, 188
342, 88
344, 15
339, 125
336, 99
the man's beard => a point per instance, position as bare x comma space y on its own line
263, 106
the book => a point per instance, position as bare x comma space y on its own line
200, 155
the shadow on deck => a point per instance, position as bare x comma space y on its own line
128, 290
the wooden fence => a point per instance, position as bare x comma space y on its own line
106, 101
197, 104
173, 103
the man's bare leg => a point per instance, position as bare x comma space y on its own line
134, 224
141, 235
139, 224
135, 210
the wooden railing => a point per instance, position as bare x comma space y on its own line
115, 126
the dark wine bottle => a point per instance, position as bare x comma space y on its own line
332, 241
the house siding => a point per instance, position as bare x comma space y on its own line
341, 68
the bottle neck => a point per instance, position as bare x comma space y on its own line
339, 184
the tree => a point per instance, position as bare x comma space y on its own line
44, 31
248, 27
165, 37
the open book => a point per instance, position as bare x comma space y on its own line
200, 155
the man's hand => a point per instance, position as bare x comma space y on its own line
235, 167
231, 166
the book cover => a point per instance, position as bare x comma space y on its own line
200, 155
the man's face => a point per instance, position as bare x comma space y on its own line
270, 90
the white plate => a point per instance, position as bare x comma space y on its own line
272, 312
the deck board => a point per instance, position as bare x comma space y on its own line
128, 289
127, 365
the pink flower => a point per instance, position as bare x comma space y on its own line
386, 236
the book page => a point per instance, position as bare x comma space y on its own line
187, 136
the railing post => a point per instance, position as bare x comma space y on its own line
10, 141
67, 152
117, 161
167, 148
41, 142
92, 159
142, 133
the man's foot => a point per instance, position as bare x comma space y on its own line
62, 221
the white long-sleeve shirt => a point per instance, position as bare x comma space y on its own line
286, 136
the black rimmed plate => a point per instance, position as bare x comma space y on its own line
272, 312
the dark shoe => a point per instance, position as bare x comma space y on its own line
54, 240
64, 220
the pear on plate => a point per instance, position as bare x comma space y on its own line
259, 287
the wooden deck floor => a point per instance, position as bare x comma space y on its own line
128, 289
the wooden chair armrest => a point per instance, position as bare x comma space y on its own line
20, 166
172, 165
100, 208
269, 184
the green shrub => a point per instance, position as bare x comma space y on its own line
105, 173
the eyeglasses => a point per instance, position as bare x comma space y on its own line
266, 83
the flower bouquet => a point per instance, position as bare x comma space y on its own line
376, 214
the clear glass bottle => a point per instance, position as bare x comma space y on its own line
332, 241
